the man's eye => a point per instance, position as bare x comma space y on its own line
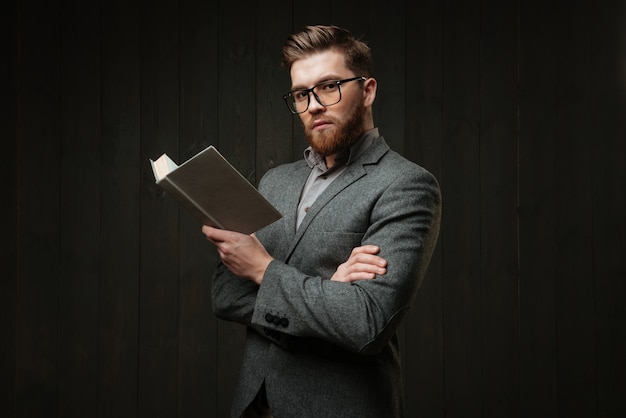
326, 87
300, 95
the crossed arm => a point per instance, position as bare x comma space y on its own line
245, 256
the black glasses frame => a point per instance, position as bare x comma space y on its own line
287, 97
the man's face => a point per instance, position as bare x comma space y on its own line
333, 128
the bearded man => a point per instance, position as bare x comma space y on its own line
323, 290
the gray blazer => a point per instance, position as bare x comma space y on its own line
323, 348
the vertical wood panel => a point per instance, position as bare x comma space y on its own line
237, 86
80, 209
355, 19
538, 213
274, 135
423, 351
387, 39
574, 278
158, 291
607, 156
120, 217
461, 231
237, 130
197, 351
39, 166
498, 208
9, 212
311, 13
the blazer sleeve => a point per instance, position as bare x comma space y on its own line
362, 316
233, 298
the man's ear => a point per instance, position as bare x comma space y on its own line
369, 88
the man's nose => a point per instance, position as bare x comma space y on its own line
314, 103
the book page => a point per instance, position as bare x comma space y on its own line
163, 166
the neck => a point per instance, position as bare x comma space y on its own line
330, 160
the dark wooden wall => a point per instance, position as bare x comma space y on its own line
518, 107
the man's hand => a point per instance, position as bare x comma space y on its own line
242, 254
363, 264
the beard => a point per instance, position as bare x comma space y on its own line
340, 137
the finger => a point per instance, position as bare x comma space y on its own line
360, 276
366, 249
218, 235
208, 231
351, 277
368, 259
350, 269
368, 268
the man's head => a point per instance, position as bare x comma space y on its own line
332, 86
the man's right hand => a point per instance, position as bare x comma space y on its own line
363, 264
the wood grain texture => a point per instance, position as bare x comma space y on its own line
516, 107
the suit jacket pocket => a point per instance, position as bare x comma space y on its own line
322, 253
339, 245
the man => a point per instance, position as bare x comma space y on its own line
323, 290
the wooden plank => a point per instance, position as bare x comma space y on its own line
607, 155
197, 348
9, 214
574, 299
498, 211
159, 252
237, 87
80, 209
387, 37
461, 228
39, 184
538, 212
355, 19
274, 125
423, 351
237, 142
309, 13
120, 214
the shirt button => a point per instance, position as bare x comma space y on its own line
306, 209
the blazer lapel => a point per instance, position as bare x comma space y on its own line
292, 192
353, 172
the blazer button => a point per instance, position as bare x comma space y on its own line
276, 320
270, 318
284, 322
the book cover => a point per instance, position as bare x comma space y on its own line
209, 187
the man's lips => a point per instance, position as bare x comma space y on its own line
320, 124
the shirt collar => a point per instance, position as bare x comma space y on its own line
313, 159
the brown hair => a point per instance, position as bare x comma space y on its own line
321, 38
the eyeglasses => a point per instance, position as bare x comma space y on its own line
327, 93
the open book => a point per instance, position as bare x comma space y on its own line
215, 192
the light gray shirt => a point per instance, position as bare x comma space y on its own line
321, 176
